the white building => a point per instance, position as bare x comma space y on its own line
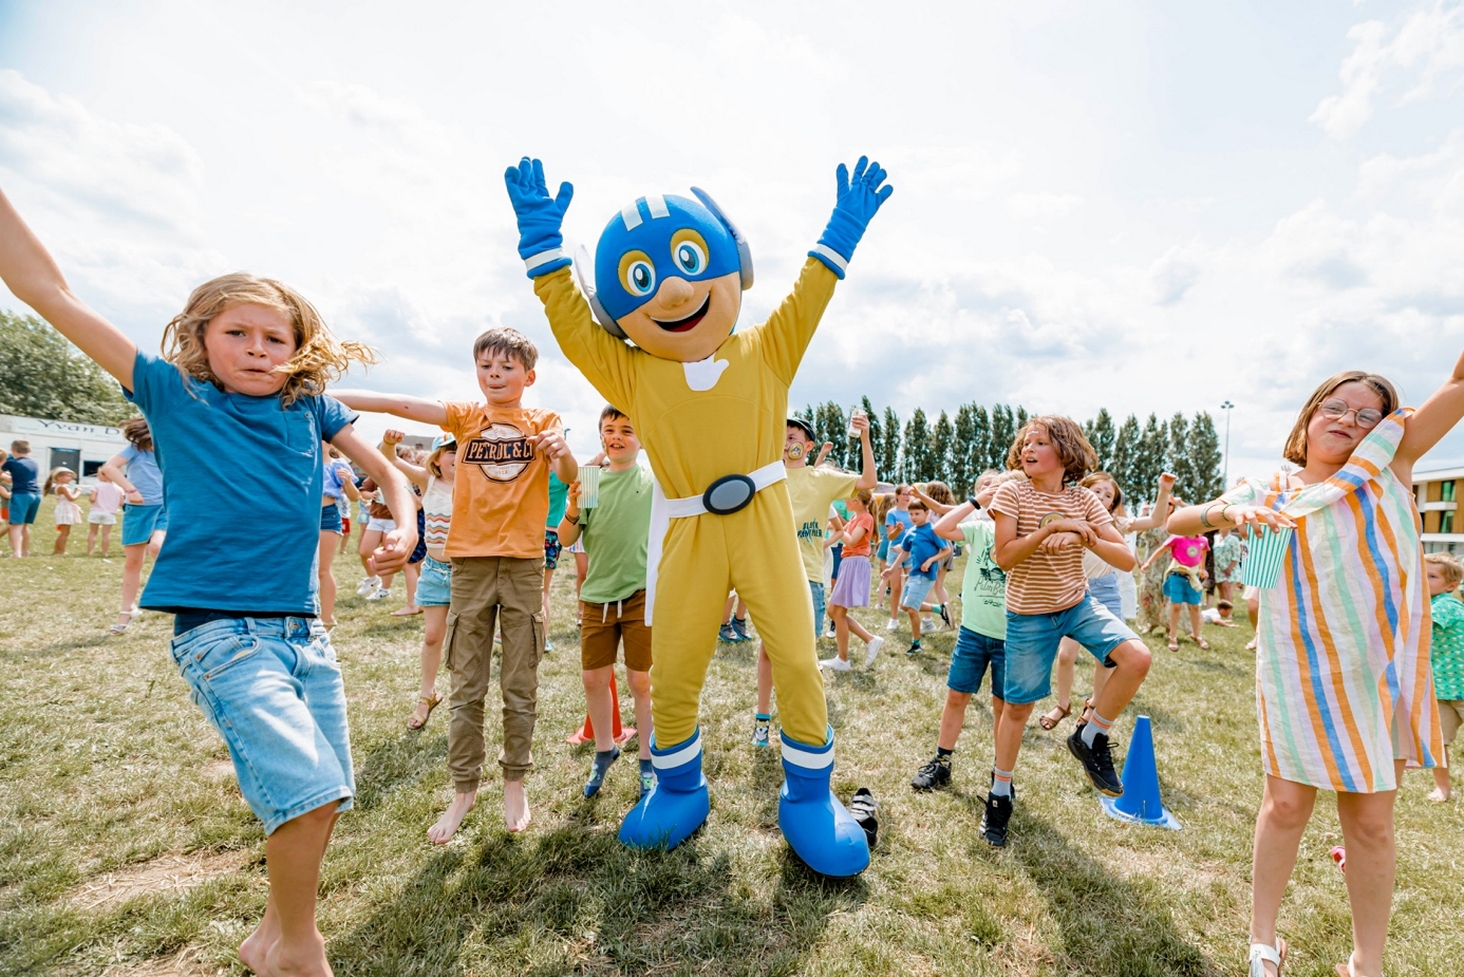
1435, 492
83, 448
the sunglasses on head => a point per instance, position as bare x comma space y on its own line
1336, 410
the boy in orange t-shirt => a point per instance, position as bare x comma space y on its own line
500, 502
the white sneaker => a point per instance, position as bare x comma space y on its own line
927, 623
379, 595
835, 664
891, 624
871, 650
368, 586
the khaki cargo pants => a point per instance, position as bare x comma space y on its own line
485, 590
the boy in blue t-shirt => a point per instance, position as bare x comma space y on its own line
923, 550
25, 495
240, 400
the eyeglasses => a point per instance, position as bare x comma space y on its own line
1336, 410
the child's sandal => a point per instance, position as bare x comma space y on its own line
430, 701
1204, 645
1049, 719
1262, 954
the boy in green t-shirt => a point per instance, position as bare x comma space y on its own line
981, 641
614, 534
1444, 573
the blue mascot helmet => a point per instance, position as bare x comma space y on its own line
657, 237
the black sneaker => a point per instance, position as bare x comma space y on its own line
739, 628
945, 616
914, 649
1097, 761
994, 821
935, 774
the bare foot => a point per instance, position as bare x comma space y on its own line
407, 611
462, 802
1438, 795
307, 961
254, 950
515, 805
1250, 645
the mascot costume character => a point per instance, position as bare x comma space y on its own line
710, 406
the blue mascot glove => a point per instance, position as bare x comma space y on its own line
539, 217
859, 199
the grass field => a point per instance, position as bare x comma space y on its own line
125, 848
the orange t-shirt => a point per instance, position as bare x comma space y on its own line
1045, 583
860, 548
500, 497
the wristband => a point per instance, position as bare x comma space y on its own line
572, 520
974, 504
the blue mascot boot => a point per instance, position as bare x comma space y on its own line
677, 805
817, 826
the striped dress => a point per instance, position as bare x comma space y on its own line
1343, 684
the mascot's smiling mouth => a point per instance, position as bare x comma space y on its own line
687, 324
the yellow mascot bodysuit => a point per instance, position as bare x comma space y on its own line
710, 407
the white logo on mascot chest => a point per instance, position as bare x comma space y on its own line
501, 451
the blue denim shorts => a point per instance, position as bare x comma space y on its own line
273, 690
973, 653
1179, 590
1108, 594
23, 508
1032, 640
917, 588
330, 518
434, 586
139, 522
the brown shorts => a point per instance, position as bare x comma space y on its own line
605, 626
1451, 717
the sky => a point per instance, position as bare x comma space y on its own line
1148, 207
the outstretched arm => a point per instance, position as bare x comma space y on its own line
31, 273
1432, 421
1155, 519
412, 408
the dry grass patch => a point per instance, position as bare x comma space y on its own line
172, 874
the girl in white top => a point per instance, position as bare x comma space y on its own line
68, 513
434, 479
1103, 584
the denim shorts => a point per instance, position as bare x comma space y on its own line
434, 586
1179, 590
1106, 590
139, 522
273, 690
23, 508
917, 588
1032, 640
330, 518
973, 653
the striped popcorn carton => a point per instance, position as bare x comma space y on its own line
1265, 557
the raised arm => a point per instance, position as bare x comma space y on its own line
416, 474
939, 508
113, 470
432, 412
948, 526
398, 544
31, 273
1155, 519
1431, 422
868, 476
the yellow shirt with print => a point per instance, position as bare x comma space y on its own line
812, 491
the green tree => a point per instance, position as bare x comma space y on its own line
874, 429
919, 459
1003, 433
1177, 459
1204, 458
1102, 437
833, 428
43, 375
1125, 449
980, 441
942, 448
1021, 417
961, 442
1150, 456
887, 452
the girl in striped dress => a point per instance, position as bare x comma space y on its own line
1344, 692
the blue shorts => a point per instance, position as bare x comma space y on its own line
272, 688
838, 552
1032, 640
1179, 590
434, 585
23, 508
917, 586
139, 522
1106, 590
330, 519
973, 653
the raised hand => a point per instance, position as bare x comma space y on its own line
539, 216
859, 198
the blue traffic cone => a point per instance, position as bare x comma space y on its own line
1140, 801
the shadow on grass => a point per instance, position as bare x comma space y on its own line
399, 761
56, 648
1110, 925
575, 900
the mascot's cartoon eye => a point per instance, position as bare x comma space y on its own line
689, 251
637, 273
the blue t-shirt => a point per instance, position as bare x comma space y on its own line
25, 475
901, 516
207, 440
143, 473
922, 543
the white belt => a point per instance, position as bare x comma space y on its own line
696, 505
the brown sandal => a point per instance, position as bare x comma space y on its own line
430, 701
1049, 719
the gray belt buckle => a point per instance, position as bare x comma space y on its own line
729, 494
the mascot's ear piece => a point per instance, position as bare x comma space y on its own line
605, 319
744, 253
